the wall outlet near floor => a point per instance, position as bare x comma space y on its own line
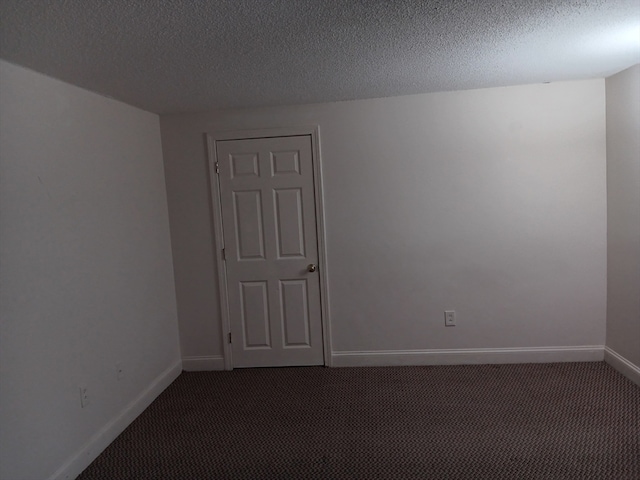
449, 318
84, 397
119, 370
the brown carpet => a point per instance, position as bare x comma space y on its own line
533, 421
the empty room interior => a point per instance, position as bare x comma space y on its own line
217, 186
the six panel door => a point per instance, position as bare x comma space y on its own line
269, 223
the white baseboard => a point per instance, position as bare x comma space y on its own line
107, 434
468, 356
203, 364
621, 364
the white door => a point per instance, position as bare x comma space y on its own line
271, 251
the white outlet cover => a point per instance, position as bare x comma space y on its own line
450, 318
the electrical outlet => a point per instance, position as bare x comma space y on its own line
84, 397
449, 318
119, 370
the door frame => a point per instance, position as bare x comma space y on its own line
216, 206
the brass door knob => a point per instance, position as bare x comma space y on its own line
311, 267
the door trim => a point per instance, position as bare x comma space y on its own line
216, 206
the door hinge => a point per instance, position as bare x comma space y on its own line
229, 337
217, 167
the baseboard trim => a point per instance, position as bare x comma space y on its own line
468, 356
203, 364
107, 434
621, 364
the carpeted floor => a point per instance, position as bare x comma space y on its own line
534, 421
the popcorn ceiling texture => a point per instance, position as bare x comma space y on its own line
170, 56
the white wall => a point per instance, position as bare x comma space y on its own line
86, 272
490, 202
623, 217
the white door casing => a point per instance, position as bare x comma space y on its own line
273, 263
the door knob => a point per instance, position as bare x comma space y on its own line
311, 267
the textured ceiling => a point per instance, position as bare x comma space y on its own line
194, 55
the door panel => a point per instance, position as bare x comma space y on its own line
268, 215
289, 224
285, 163
254, 313
247, 208
244, 165
295, 313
